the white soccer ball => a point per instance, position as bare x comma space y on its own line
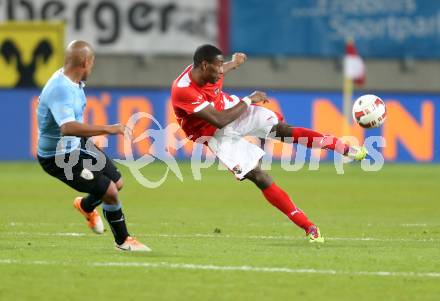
369, 111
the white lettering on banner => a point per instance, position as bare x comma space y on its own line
129, 26
328, 8
396, 20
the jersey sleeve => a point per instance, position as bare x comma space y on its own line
61, 106
190, 100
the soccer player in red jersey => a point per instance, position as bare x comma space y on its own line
221, 121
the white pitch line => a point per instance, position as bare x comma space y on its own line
244, 268
69, 234
284, 224
190, 266
405, 225
265, 237
21, 224
227, 236
414, 225
21, 233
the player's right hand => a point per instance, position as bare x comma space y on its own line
119, 129
258, 96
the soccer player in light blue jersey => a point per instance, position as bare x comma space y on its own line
65, 152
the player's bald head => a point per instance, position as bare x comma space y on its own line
77, 53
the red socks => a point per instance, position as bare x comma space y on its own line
281, 200
326, 141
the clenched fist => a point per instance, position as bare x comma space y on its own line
239, 58
258, 96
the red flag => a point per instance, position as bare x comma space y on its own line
354, 67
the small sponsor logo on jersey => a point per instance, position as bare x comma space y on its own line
237, 169
86, 174
216, 91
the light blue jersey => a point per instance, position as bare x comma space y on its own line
61, 101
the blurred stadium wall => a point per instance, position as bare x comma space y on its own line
295, 53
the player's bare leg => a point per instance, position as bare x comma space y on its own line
281, 200
311, 138
113, 213
119, 184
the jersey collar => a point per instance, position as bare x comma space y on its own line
81, 84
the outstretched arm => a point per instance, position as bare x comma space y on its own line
74, 128
237, 60
219, 119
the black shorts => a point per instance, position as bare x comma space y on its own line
78, 176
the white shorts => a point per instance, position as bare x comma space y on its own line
238, 154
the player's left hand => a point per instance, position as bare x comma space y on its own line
239, 58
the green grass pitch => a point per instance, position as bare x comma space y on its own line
218, 239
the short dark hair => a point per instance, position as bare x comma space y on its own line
205, 53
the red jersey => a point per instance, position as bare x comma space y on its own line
189, 98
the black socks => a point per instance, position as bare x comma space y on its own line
116, 221
89, 203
